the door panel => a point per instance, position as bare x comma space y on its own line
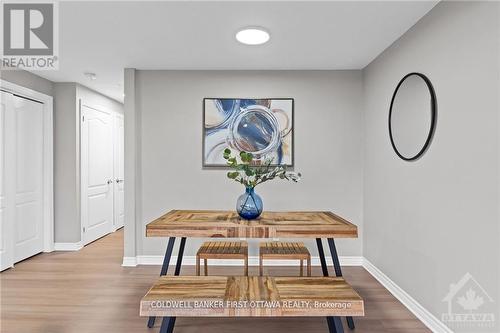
97, 173
98, 148
5, 255
119, 204
28, 220
6, 183
98, 210
26, 230
5, 261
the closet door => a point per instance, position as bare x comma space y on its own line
6, 184
27, 116
97, 173
119, 197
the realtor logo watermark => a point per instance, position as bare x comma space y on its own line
30, 35
470, 307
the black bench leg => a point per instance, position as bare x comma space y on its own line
335, 325
168, 323
164, 269
338, 272
350, 322
151, 322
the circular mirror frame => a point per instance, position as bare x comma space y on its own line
433, 116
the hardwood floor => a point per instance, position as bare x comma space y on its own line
89, 291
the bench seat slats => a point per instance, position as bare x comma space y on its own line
222, 296
277, 250
223, 250
284, 250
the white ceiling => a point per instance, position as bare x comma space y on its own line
105, 37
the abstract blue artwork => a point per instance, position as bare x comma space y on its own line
263, 127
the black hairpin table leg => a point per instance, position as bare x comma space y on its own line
322, 256
338, 272
168, 323
164, 269
334, 323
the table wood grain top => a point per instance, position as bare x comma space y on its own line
228, 224
256, 296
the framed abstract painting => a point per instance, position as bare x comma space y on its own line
263, 127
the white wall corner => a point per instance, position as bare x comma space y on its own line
429, 320
131, 160
68, 246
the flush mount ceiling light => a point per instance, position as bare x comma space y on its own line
90, 76
252, 36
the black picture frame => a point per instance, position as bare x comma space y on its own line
224, 166
432, 127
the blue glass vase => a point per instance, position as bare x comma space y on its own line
249, 204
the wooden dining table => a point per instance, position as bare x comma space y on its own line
227, 224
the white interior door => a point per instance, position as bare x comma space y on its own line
23, 162
26, 220
6, 183
119, 198
97, 173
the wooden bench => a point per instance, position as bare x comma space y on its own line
254, 296
222, 250
285, 250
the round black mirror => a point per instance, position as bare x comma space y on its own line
412, 116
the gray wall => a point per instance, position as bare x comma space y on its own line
67, 226
427, 223
93, 98
28, 80
328, 145
132, 167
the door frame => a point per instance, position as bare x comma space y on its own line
81, 104
116, 116
48, 155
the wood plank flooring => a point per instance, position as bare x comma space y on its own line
89, 292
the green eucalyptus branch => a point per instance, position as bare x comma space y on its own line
250, 174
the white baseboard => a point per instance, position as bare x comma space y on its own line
129, 262
68, 246
252, 261
431, 321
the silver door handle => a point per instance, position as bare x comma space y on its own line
119, 181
